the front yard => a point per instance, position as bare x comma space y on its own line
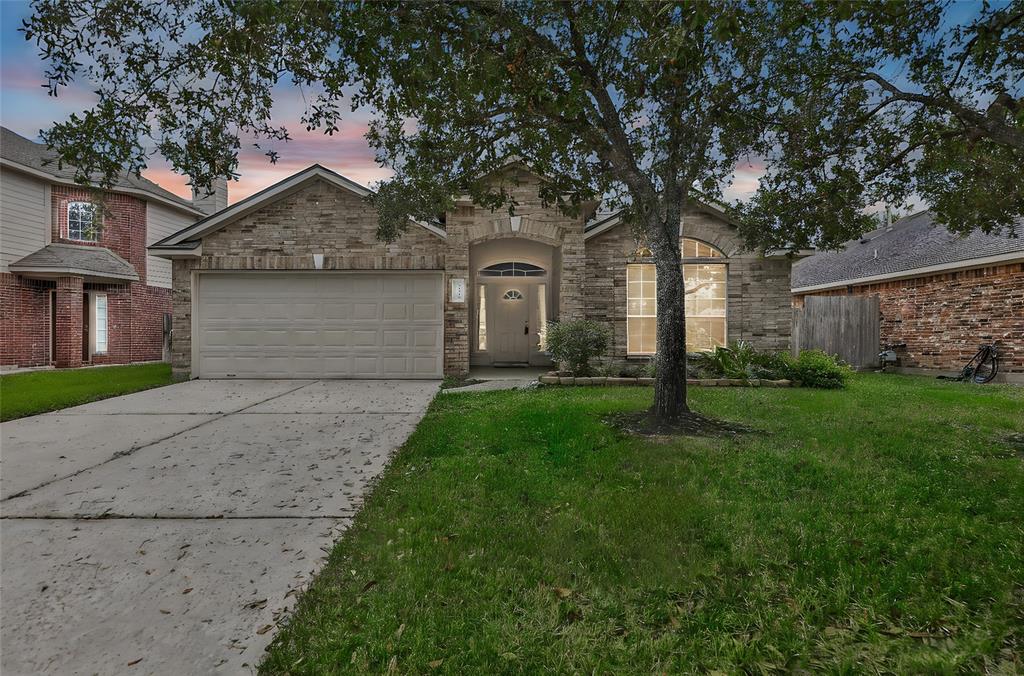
23, 394
877, 528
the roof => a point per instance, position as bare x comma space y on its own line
912, 246
71, 259
606, 221
185, 240
23, 153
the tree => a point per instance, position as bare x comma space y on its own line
890, 101
642, 103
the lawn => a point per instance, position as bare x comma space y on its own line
23, 394
874, 529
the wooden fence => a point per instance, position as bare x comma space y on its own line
844, 325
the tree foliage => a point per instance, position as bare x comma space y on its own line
889, 101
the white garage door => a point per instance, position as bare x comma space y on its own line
319, 325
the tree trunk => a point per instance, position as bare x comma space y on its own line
670, 381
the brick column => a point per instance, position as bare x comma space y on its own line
574, 261
181, 326
456, 315
68, 352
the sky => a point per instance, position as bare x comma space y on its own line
26, 107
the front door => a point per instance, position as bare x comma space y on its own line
511, 321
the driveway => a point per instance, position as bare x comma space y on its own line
168, 531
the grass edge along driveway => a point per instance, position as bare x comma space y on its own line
33, 392
878, 528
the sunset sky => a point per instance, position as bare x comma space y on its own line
25, 107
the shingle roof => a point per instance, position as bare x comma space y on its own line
17, 148
88, 261
911, 243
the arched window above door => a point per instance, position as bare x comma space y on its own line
512, 269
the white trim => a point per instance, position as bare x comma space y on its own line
94, 347
143, 194
175, 252
926, 271
609, 223
253, 203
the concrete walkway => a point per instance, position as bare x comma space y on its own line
168, 531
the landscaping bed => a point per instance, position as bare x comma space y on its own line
556, 378
872, 529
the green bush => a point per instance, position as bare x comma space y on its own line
574, 343
814, 368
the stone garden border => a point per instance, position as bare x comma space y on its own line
555, 379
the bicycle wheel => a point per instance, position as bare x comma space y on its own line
987, 367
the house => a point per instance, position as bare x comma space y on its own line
77, 285
940, 293
292, 282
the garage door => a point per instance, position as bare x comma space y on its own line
319, 325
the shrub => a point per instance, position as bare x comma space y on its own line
574, 343
814, 368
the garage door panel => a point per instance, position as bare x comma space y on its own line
286, 325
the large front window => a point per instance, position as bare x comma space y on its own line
706, 300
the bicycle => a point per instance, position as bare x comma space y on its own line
982, 367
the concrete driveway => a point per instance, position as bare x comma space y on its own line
168, 531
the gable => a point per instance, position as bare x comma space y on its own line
318, 217
187, 238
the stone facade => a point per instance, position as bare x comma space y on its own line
587, 276
758, 309
944, 318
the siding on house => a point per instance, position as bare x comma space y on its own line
25, 215
162, 222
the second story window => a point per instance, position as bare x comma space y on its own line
83, 222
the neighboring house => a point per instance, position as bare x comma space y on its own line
77, 285
292, 282
940, 293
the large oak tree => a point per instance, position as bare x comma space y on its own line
641, 103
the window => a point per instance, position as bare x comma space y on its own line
101, 323
513, 294
695, 249
82, 222
481, 330
705, 305
542, 317
512, 270
706, 302
641, 310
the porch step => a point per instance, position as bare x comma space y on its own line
510, 364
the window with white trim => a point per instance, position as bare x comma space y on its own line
706, 301
100, 306
83, 221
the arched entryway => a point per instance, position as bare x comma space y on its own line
514, 295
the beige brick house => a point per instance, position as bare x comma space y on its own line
292, 282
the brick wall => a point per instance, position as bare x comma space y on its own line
134, 310
24, 321
944, 318
758, 305
124, 224
319, 218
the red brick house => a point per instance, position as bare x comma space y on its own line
941, 294
77, 285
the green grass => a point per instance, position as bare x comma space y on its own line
23, 394
874, 529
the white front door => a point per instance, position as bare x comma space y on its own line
512, 301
